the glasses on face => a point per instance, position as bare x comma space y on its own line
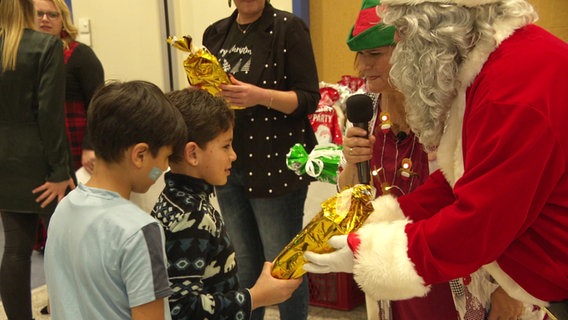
50, 14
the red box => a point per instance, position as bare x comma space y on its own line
335, 290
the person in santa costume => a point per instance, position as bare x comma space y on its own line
487, 90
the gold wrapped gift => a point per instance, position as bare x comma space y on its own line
202, 68
340, 214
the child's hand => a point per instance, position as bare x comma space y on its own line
268, 290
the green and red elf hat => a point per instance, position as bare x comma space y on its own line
369, 32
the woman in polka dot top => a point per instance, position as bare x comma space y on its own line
268, 53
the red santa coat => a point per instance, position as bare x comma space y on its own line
500, 202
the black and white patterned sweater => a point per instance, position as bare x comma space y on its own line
201, 258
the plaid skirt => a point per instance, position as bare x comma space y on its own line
76, 123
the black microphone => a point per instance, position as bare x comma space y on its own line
360, 112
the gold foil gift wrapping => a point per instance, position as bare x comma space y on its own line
202, 68
341, 214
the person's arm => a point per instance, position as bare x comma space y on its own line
301, 77
348, 176
301, 71
90, 74
504, 307
143, 271
427, 199
150, 311
269, 291
481, 224
355, 150
246, 95
51, 114
51, 121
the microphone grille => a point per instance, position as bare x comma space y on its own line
359, 108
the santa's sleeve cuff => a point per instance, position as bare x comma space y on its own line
353, 242
385, 208
382, 267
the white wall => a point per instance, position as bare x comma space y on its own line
126, 36
129, 36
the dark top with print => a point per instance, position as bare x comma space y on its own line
276, 53
201, 258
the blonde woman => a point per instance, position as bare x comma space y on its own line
84, 74
34, 150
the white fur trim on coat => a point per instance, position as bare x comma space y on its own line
382, 267
386, 208
465, 3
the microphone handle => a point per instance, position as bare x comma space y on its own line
364, 172
363, 168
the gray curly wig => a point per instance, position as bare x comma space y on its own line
435, 40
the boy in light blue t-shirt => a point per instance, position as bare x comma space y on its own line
104, 257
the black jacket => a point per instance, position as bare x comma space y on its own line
283, 59
34, 147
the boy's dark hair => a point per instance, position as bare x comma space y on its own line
206, 116
122, 114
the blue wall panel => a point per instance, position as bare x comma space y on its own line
68, 2
301, 8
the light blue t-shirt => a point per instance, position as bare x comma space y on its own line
103, 256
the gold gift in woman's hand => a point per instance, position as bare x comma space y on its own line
202, 68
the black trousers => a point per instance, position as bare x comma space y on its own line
20, 230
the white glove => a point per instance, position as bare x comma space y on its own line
340, 260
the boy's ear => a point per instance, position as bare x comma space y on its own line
190, 153
137, 154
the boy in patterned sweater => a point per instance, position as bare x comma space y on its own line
201, 257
